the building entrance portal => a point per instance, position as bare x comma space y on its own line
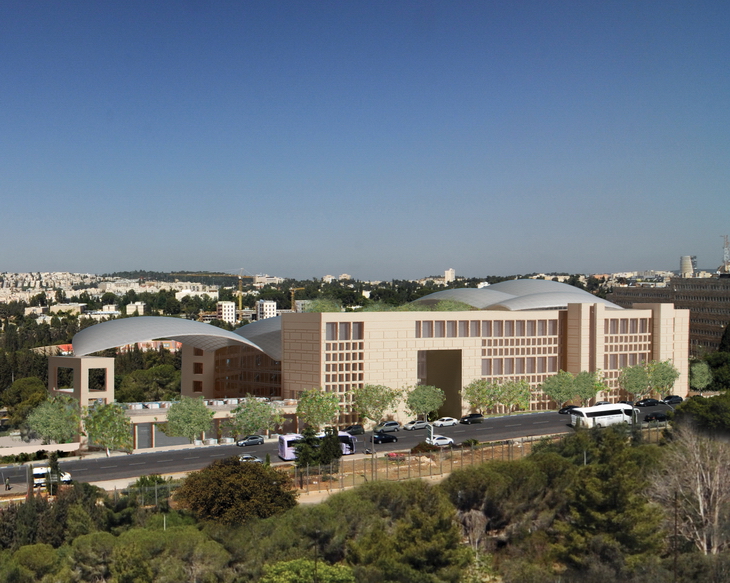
442, 369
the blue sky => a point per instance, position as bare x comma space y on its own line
380, 139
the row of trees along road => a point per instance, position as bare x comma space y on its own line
60, 419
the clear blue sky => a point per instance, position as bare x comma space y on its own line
380, 139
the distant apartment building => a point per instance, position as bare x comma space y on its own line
449, 275
265, 309
136, 309
707, 299
75, 309
226, 312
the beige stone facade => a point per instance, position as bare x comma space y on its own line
341, 351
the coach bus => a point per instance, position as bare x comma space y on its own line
601, 415
288, 442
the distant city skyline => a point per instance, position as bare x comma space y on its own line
384, 140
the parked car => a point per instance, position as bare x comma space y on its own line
247, 457
440, 440
648, 403
251, 440
472, 418
383, 438
602, 403
415, 424
627, 403
567, 409
445, 422
659, 416
386, 426
673, 399
356, 429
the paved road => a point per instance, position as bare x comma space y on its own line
194, 458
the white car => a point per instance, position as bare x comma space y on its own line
445, 422
440, 440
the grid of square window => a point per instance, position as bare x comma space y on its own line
627, 342
344, 363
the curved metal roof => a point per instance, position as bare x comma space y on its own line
115, 333
522, 287
265, 334
519, 294
476, 297
549, 301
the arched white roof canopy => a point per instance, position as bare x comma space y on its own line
115, 333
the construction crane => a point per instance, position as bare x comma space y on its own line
293, 292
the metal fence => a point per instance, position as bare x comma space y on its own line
395, 466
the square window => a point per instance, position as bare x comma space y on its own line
197, 368
486, 329
197, 386
427, 329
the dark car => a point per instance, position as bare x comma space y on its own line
251, 440
356, 429
384, 438
567, 409
673, 399
658, 416
648, 403
472, 418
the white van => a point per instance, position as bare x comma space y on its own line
40, 476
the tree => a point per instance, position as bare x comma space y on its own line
107, 426
317, 407
662, 375
560, 387
254, 416
586, 385
725, 340
372, 401
56, 420
700, 375
306, 571
481, 395
514, 394
158, 383
423, 399
695, 481
634, 380
22, 397
188, 418
231, 492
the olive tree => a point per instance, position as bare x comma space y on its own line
423, 399
57, 419
188, 418
372, 401
700, 376
107, 426
481, 395
254, 416
317, 407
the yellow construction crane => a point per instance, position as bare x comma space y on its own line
293, 292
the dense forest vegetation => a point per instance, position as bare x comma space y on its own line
592, 508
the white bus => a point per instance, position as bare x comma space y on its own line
288, 442
601, 415
41, 474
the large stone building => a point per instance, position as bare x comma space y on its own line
706, 299
518, 329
